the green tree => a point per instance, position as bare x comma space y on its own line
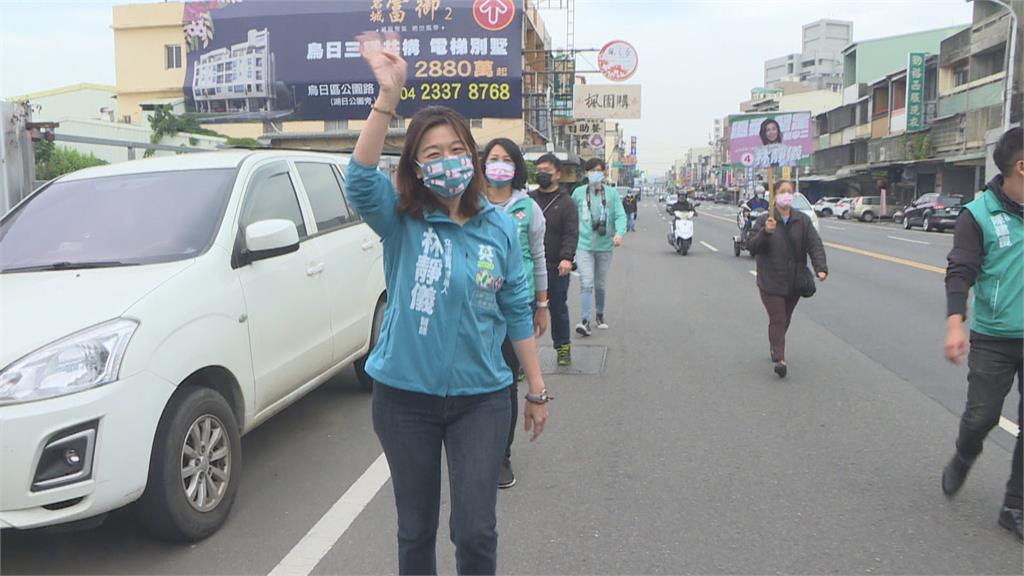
164, 122
55, 162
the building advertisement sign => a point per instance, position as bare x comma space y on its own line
774, 139
915, 91
620, 101
618, 60
254, 60
585, 128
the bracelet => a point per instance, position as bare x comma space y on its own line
388, 113
543, 304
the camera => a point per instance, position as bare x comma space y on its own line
601, 227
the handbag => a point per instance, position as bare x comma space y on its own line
803, 281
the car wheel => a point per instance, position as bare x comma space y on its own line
868, 217
365, 380
826, 213
926, 223
195, 467
906, 223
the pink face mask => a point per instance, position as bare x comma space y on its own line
500, 173
784, 200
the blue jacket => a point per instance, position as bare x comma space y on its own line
453, 293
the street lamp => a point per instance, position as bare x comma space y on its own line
1010, 69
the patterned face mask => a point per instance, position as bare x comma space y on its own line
448, 177
500, 173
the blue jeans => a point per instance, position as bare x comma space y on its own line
412, 428
558, 298
593, 268
631, 221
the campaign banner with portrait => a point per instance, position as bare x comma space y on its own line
773, 139
259, 60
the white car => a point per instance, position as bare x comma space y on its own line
155, 311
801, 203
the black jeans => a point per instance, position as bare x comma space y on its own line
412, 428
508, 351
992, 365
558, 302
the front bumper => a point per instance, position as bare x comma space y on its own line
123, 417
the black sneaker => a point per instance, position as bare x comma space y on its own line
601, 324
564, 355
506, 479
1010, 518
583, 328
781, 369
954, 474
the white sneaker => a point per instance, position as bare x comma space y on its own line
583, 328
601, 324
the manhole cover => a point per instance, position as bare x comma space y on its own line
586, 361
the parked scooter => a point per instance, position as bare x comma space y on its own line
745, 222
680, 234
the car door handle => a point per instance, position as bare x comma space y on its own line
368, 245
315, 270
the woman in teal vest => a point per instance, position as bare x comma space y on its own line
506, 174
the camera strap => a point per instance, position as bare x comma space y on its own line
604, 205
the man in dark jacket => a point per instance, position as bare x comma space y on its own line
560, 240
988, 255
781, 243
629, 204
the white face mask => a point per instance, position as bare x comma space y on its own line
595, 177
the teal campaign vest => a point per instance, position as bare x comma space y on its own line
999, 290
522, 213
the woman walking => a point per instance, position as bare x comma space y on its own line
781, 242
506, 173
456, 285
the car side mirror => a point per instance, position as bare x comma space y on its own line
270, 239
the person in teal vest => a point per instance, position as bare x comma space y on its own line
602, 226
506, 173
988, 255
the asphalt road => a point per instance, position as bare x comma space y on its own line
685, 454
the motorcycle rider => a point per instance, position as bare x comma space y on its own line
758, 202
683, 204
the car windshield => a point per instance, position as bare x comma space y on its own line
801, 203
952, 201
117, 220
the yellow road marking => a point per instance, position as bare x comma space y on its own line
868, 253
887, 258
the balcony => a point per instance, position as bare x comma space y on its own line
990, 34
880, 126
955, 48
976, 95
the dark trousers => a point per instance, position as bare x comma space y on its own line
509, 353
992, 365
780, 313
558, 302
412, 428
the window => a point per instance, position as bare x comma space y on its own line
161, 217
960, 75
324, 191
272, 196
172, 54
476, 123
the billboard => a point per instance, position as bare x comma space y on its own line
602, 101
258, 60
772, 139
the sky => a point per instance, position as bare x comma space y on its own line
698, 58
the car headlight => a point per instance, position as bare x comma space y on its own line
84, 360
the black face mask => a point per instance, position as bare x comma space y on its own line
545, 180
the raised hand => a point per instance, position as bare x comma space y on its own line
389, 68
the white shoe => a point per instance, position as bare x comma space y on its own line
583, 328
601, 324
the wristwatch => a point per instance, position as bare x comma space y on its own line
541, 398
543, 304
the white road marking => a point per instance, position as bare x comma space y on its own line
833, 227
708, 246
1008, 425
909, 240
753, 273
312, 548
